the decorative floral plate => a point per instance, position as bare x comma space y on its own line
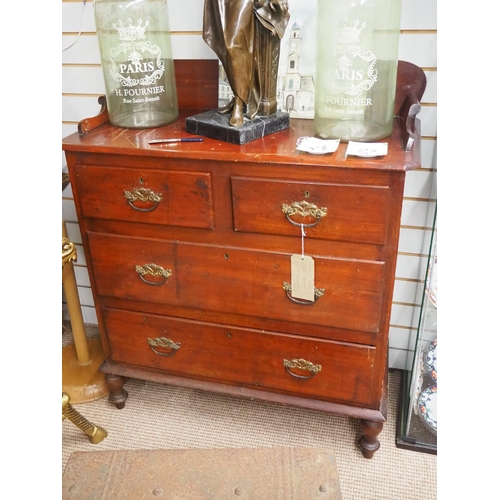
427, 405
431, 360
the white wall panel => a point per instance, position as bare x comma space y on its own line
89, 315
413, 240
85, 295
410, 266
81, 255
429, 153
84, 51
404, 291
82, 80
397, 359
72, 17
69, 211
418, 15
67, 129
399, 337
67, 191
430, 94
418, 184
76, 108
428, 119
73, 231
185, 15
82, 276
414, 213
401, 315
419, 49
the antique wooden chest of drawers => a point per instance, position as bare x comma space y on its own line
189, 251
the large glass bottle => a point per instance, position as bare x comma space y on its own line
356, 68
136, 56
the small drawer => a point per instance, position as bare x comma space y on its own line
316, 368
342, 212
236, 281
150, 196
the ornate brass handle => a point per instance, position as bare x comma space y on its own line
301, 364
155, 271
68, 251
143, 195
318, 292
164, 343
303, 209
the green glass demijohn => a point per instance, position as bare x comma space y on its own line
356, 68
136, 57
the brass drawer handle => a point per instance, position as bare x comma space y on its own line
143, 195
303, 209
318, 292
164, 343
301, 364
155, 271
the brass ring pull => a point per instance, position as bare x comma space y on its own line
303, 209
164, 343
155, 271
301, 364
318, 292
143, 195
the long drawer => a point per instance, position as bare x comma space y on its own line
235, 280
316, 368
174, 198
340, 212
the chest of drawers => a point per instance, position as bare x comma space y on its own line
189, 252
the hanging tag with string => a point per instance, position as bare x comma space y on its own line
302, 267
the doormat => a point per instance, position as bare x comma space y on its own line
203, 474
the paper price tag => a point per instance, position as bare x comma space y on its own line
302, 277
367, 149
316, 146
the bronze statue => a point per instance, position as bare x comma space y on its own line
231, 28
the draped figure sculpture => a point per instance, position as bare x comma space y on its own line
231, 29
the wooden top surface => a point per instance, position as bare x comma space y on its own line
277, 148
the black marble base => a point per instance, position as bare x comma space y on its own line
215, 125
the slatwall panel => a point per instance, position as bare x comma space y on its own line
82, 83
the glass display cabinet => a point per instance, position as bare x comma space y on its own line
417, 429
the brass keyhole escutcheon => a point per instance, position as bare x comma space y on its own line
306, 194
141, 180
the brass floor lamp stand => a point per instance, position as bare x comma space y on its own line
81, 378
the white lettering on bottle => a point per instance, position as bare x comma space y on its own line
137, 67
345, 101
352, 71
143, 91
144, 67
352, 75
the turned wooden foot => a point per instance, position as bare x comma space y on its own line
118, 395
368, 442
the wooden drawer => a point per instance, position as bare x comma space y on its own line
242, 356
237, 281
148, 196
354, 213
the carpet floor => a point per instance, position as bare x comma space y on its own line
163, 417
